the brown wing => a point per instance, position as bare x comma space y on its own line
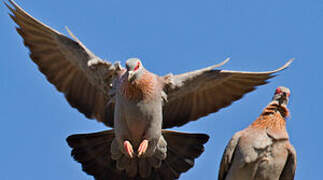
288, 172
67, 64
228, 156
198, 93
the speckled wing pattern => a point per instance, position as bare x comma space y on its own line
198, 93
72, 68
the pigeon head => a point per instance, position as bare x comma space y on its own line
134, 69
282, 95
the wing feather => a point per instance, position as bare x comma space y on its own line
288, 172
198, 93
66, 64
228, 156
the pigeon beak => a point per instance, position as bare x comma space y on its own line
130, 75
284, 95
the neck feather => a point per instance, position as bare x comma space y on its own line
141, 88
274, 107
272, 119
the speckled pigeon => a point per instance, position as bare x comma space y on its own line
262, 151
136, 103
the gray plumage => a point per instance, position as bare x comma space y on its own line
135, 102
262, 151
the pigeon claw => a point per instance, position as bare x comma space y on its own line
142, 147
128, 147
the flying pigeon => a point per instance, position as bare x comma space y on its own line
262, 151
136, 103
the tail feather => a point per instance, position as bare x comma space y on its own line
167, 172
82, 140
182, 149
180, 164
93, 151
80, 154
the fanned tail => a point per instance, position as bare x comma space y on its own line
93, 151
182, 150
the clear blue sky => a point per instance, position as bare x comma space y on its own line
169, 36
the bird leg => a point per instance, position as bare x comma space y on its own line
128, 147
142, 147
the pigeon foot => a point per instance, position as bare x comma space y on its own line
142, 147
128, 147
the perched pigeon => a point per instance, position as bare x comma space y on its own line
136, 103
262, 151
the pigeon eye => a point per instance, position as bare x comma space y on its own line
288, 94
137, 66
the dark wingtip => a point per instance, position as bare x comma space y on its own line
5, 3
205, 138
13, 3
69, 140
9, 7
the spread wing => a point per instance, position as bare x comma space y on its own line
228, 156
72, 68
198, 93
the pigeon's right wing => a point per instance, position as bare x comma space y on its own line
74, 70
198, 93
290, 166
228, 156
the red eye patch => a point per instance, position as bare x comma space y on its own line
278, 90
137, 66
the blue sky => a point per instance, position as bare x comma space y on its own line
169, 36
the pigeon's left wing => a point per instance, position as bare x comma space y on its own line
198, 93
